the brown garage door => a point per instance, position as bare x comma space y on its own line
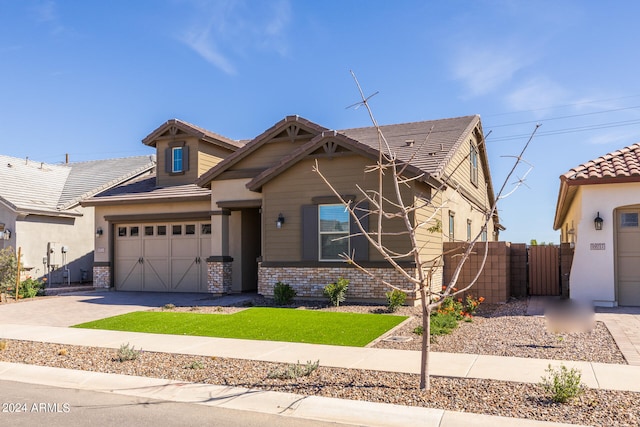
628, 256
167, 257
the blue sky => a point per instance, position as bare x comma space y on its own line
92, 78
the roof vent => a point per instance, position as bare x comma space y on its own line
410, 142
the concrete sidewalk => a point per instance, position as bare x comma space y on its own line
331, 410
527, 370
47, 321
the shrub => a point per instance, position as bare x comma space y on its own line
127, 353
29, 288
395, 299
63, 352
443, 323
563, 384
283, 294
336, 292
8, 269
168, 306
3, 345
418, 330
471, 304
196, 364
293, 371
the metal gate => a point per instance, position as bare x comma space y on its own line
544, 270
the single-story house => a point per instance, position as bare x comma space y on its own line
597, 212
40, 211
240, 216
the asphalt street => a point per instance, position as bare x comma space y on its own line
28, 405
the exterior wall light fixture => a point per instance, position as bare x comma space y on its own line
6, 234
99, 231
597, 222
280, 221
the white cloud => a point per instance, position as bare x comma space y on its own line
536, 93
224, 31
485, 70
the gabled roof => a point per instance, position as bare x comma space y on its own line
30, 187
144, 190
308, 126
618, 166
172, 126
445, 136
437, 141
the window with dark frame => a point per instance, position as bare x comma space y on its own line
190, 229
176, 230
161, 230
134, 231
148, 230
122, 231
205, 229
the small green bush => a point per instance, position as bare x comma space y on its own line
336, 292
443, 323
563, 384
8, 269
395, 299
293, 371
168, 306
418, 330
127, 353
283, 293
29, 288
196, 364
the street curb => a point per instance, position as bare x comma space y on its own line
278, 403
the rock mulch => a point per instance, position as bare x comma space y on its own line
494, 329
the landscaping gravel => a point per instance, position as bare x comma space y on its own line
500, 330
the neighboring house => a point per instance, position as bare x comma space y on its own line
598, 213
156, 230
40, 211
273, 219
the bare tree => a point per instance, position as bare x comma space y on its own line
384, 208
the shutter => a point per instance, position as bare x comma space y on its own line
185, 158
167, 160
360, 244
309, 233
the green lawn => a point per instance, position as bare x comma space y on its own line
258, 323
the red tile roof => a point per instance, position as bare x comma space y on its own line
623, 163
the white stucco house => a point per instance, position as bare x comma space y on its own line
598, 212
41, 214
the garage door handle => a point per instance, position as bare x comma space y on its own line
198, 260
140, 260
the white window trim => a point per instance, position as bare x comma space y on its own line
473, 164
320, 233
173, 160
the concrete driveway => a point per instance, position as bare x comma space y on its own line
71, 309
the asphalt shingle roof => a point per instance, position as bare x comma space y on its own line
443, 137
31, 186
